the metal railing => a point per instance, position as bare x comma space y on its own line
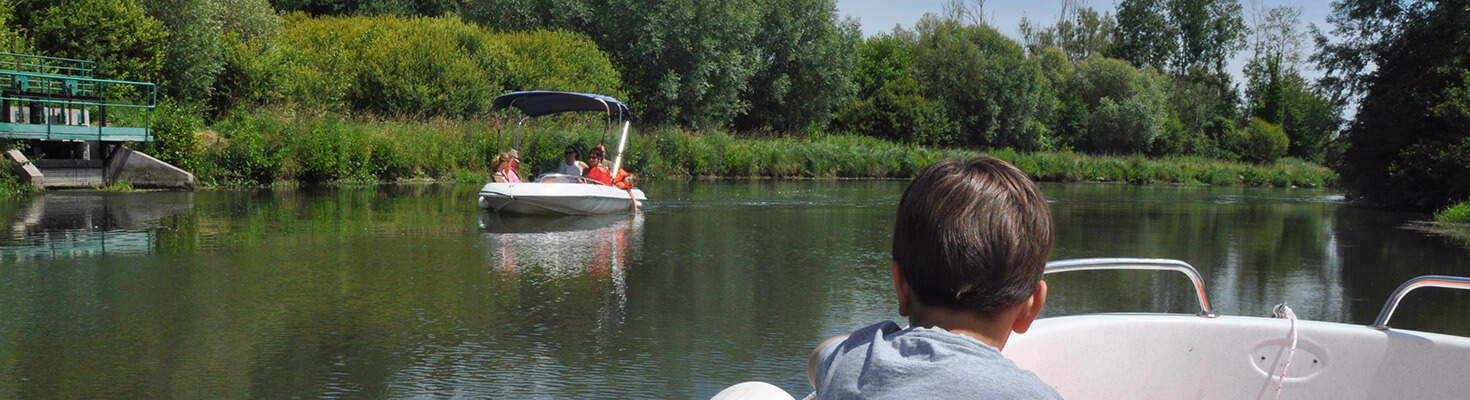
1143, 264
48, 65
38, 97
1442, 281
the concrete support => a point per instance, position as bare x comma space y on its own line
146, 172
26, 170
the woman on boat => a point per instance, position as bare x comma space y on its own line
572, 166
505, 167
597, 171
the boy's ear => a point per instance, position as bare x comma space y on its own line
902, 287
1030, 308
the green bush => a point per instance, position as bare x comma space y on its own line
387, 65
10, 184
249, 152
1457, 213
1264, 142
175, 134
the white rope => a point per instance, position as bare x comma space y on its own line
1282, 311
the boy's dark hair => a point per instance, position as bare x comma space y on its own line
972, 234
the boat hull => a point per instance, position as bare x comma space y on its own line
536, 198
1172, 356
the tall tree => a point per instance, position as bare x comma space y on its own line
1277, 93
10, 40
805, 58
1145, 35
194, 57
684, 61
1127, 107
1410, 140
888, 104
965, 12
1079, 32
994, 93
126, 43
1210, 32
1179, 34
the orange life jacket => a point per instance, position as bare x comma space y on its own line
620, 181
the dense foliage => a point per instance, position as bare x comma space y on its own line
1458, 213
278, 146
1410, 140
986, 84
126, 42
425, 66
1151, 80
768, 64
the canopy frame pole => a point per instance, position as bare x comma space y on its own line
618, 163
516, 145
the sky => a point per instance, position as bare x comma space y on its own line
881, 15
1005, 15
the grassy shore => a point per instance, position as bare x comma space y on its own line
1458, 213
285, 147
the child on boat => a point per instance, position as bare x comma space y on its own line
970, 244
505, 167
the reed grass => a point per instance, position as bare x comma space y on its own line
265, 147
1458, 213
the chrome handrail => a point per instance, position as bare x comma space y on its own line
1443, 281
1146, 264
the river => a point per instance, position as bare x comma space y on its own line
412, 292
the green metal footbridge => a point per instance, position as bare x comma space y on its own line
54, 99
75, 127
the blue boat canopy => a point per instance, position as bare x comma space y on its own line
536, 103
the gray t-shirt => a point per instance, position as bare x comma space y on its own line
883, 361
569, 169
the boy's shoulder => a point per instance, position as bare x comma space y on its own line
884, 360
917, 342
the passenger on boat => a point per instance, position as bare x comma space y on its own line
625, 180
505, 167
572, 165
970, 244
597, 171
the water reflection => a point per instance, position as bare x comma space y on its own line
72, 224
1329, 260
564, 247
559, 291
410, 292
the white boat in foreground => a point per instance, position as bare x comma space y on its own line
1205, 356
556, 194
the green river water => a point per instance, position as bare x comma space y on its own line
413, 292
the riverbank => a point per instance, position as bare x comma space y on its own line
1452, 221
266, 148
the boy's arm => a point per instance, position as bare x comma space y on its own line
811, 363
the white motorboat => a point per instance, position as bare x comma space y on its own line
1206, 356
551, 195
556, 194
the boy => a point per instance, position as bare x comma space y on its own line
969, 247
